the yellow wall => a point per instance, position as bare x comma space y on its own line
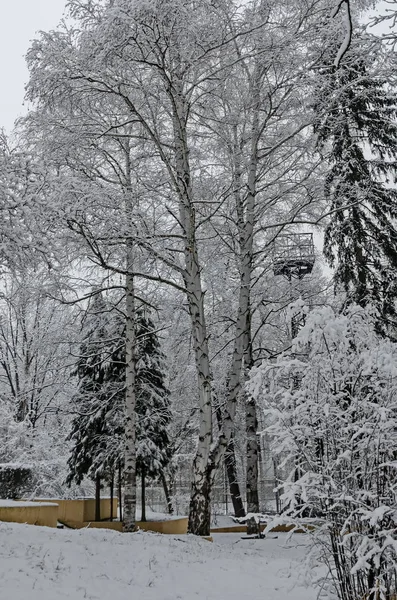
46, 515
114, 525
172, 526
89, 509
82, 510
72, 510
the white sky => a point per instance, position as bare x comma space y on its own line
20, 20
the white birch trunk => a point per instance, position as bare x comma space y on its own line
199, 512
242, 350
245, 209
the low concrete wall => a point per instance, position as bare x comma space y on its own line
89, 508
81, 510
114, 525
72, 510
171, 526
41, 514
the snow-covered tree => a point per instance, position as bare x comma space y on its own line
124, 103
332, 415
153, 403
98, 427
357, 133
35, 339
23, 183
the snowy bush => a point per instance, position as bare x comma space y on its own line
15, 480
42, 448
331, 406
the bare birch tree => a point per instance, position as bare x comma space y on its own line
138, 75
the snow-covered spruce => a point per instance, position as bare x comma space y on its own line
99, 423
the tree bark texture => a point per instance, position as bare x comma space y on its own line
200, 509
252, 445
167, 494
143, 495
231, 471
234, 488
247, 240
199, 512
252, 457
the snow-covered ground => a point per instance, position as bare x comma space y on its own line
38, 563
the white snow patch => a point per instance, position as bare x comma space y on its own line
158, 516
48, 564
24, 503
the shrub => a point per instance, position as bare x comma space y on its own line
15, 480
331, 406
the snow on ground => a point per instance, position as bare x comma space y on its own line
39, 563
151, 515
23, 504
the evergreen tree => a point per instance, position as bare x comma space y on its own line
98, 427
153, 404
357, 127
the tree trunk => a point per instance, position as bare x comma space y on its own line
231, 470
252, 454
143, 495
167, 494
111, 495
246, 245
120, 492
199, 515
245, 210
129, 508
199, 512
251, 428
252, 457
252, 447
97, 498
200, 509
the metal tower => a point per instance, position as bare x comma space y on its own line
293, 255
293, 258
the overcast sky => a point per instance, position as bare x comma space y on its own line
20, 20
